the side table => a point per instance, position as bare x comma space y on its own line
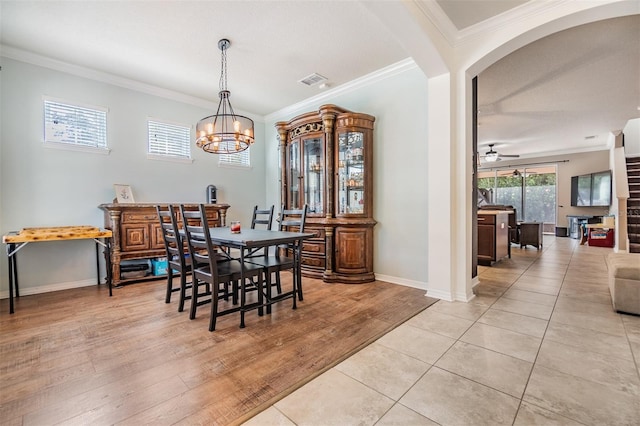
18, 240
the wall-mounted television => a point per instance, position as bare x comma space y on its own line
591, 190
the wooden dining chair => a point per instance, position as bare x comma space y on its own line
294, 220
262, 217
176, 260
281, 258
216, 272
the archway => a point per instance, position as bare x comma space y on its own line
482, 56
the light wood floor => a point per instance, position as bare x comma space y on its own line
80, 357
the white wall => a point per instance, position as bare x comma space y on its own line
399, 103
579, 164
632, 138
49, 187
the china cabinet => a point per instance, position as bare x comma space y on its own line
326, 159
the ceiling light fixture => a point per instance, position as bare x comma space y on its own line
491, 157
225, 132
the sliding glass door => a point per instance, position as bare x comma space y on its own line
540, 196
509, 192
531, 191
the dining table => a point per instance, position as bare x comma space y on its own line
249, 240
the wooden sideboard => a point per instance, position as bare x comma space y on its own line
137, 233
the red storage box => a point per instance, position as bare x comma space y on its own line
599, 237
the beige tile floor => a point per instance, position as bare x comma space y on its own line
539, 345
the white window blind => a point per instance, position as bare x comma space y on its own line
74, 124
169, 139
242, 158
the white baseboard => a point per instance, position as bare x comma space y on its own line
464, 297
438, 294
475, 281
27, 291
401, 281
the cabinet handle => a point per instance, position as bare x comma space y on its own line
481, 219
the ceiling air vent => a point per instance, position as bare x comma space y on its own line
313, 79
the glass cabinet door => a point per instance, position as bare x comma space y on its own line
293, 176
351, 173
313, 181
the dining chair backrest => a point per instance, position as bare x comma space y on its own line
293, 219
204, 257
173, 242
262, 217
196, 229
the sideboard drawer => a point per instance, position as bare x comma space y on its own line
312, 262
315, 247
139, 216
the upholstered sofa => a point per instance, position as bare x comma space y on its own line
624, 281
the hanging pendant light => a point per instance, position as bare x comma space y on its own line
225, 132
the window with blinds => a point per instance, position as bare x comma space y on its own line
169, 139
74, 125
242, 159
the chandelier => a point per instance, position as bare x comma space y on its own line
225, 132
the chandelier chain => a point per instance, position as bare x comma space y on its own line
223, 68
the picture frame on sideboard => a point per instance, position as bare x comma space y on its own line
124, 194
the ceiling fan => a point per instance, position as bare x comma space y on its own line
492, 156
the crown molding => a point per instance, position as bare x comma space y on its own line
366, 80
440, 20
434, 13
103, 77
511, 18
115, 80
